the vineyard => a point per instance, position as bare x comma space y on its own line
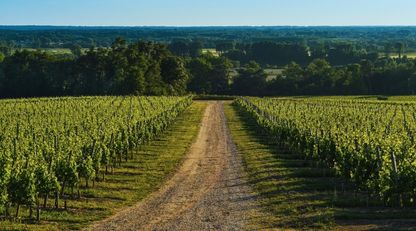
123, 162
52, 147
368, 143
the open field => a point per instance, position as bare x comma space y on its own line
54, 51
272, 73
410, 55
211, 51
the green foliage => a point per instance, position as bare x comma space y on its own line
5, 173
124, 69
370, 143
52, 154
195, 49
224, 46
46, 181
299, 67
22, 188
175, 75
147, 169
209, 75
250, 81
76, 50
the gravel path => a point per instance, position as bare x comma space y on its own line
208, 192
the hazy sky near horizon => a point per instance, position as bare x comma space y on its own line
207, 12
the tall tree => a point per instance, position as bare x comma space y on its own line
76, 50
399, 46
209, 75
195, 49
175, 75
250, 81
179, 48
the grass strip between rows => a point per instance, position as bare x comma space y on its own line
295, 195
153, 163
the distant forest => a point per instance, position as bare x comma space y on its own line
206, 60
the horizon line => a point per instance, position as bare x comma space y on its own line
190, 26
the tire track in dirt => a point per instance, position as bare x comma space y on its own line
208, 192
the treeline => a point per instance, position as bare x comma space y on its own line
385, 77
147, 68
215, 75
141, 68
371, 38
278, 54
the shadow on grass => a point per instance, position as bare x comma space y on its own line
298, 195
126, 185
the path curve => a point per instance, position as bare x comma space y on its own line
208, 192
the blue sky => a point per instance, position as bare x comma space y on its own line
207, 12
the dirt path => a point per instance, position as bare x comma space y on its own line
208, 192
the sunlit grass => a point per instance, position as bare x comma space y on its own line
297, 194
129, 184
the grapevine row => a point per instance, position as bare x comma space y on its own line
49, 146
369, 143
